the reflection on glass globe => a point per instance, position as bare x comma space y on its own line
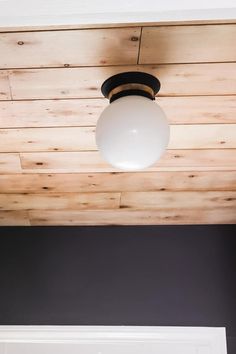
132, 133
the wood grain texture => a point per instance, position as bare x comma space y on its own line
64, 162
199, 109
83, 138
177, 80
85, 112
13, 218
10, 163
69, 48
50, 100
51, 113
178, 199
47, 139
136, 217
73, 201
173, 160
118, 182
202, 136
188, 44
5, 91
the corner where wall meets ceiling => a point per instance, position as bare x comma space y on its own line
50, 170
26, 13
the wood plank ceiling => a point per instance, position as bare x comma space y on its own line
50, 100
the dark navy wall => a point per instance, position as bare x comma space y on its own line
162, 275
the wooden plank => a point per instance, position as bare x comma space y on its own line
199, 109
47, 139
56, 201
51, 113
206, 136
5, 91
180, 199
188, 44
118, 182
83, 138
85, 112
134, 217
173, 160
69, 48
176, 80
10, 163
14, 218
50, 162
196, 79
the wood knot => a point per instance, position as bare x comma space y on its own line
134, 39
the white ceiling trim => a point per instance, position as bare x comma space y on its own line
112, 339
14, 13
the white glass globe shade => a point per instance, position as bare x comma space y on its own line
132, 133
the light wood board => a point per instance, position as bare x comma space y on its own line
213, 136
85, 112
118, 182
69, 48
139, 217
176, 79
172, 160
188, 44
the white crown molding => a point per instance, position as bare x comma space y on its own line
203, 340
88, 19
84, 12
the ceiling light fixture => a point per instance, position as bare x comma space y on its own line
132, 132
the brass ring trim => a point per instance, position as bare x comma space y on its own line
133, 86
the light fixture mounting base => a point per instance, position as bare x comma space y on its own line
130, 83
